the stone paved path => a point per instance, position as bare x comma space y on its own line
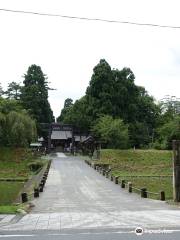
78, 197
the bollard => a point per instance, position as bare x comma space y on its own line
43, 182
116, 180
111, 178
129, 187
162, 196
24, 197
36, 192
123, 184
40, 187
44, 178
143, 192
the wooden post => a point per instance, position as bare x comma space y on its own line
123, 184
40, 187
143, 192
176, 168
162, 196
36, 192
24, 197
129, 187
116, 180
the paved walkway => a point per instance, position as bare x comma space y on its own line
78, 197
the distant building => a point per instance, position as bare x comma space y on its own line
64, 136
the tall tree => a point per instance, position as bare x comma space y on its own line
77, 115
68, 103
1, 90
13, 91
114, 93
35, 97
100, 91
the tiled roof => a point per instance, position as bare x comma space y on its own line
61, 135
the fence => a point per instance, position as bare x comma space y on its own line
25, 197
124, 183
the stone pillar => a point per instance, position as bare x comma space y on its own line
176, 170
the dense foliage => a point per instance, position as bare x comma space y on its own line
112, 132
24, 109
113, 92
34, 97
17, 128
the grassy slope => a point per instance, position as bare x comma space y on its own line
13, 164
9, 191
128, 163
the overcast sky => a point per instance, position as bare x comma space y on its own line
67, 49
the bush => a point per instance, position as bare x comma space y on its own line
112, 131
35, 166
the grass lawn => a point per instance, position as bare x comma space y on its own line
9, 191
138, 162
128, 164
8, 209
14, 164
153, 185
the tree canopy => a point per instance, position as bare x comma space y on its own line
112, 132
34, 97
13, 91
113, 92
17, 128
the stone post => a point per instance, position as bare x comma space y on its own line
176, 170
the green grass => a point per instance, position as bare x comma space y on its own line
153, 185
138, 162
14, 164
9, 191
130, 163
8, 209
12, 209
